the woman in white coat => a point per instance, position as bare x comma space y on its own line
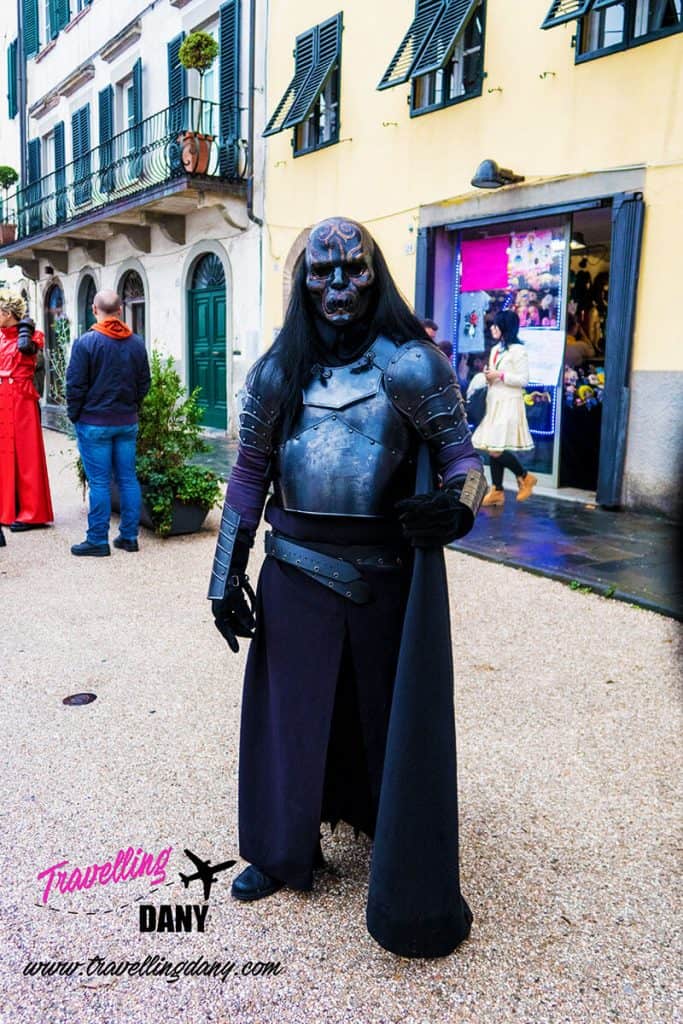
504, 430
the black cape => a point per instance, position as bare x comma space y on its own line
415, 907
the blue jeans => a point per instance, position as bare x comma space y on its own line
107, 450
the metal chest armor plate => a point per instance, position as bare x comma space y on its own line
351, 452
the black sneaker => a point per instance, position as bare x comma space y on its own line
125, 545
86, 548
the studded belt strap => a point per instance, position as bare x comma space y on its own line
332, 570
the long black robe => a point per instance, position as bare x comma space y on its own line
303, 759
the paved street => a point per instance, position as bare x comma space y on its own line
568, 718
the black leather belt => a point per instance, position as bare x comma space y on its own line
334, 568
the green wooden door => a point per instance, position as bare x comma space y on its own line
208, 357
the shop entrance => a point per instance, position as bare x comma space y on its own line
583, 382
558, 269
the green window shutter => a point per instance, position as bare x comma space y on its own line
445, 34
177, 84
137, 91
57, 17
229, 69
12, 107
328, 47
60, 171
304, 60
106, 148
31, 28
566, 10
63, 14
137, 103
33, 191
33, 163
80, 138
412, 44
106, 114
52, 19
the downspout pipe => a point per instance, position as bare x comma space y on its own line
250, 113
21, 94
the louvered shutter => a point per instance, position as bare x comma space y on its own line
328, 45
412, 44
80, 137
440, 46
57, 17
60, 171
63, 14
177, 84
135, 164
229, 42
106, 149
31, 28
33, 196
562, 11
304, 59
12, 79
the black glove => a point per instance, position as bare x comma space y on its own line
234, 613
25, 342
432, 520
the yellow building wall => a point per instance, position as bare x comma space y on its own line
539, 114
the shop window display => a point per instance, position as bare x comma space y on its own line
523, 270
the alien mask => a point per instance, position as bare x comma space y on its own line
339, 270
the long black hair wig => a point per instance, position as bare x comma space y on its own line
293, 353
507, 321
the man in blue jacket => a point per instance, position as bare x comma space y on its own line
106, 381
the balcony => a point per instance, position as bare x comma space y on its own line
153, 173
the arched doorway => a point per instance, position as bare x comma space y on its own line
206, 304
86, 295
56, 344
133, 298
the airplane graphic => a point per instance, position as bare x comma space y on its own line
206, 871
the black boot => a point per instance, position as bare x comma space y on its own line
253, 884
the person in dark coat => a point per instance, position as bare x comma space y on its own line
106, 381
333, 417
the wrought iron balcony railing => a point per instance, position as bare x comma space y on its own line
182, 140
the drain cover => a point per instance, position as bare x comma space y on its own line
80, 698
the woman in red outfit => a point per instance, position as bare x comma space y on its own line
24, 486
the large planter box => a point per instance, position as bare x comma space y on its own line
187, 517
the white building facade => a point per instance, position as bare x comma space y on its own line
132, 181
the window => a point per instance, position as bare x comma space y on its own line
608, 25
322, 124
462, 74
310, 104
133, 299
129, 117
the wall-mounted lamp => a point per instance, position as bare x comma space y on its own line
489, 175
578, 242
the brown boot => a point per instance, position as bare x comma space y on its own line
494, 497
526, 485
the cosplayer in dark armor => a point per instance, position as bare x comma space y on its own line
334, 415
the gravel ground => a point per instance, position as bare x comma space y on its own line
567, 716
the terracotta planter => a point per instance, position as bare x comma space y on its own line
195, 151
8, 232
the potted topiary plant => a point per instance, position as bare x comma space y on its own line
177, 496
198, 51
8, 231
